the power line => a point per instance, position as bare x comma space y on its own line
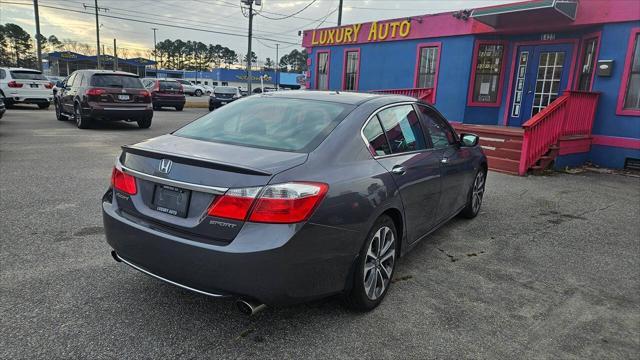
290, 15
154, 23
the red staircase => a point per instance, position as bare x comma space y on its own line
424, 94
567, 120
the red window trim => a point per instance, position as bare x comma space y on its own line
416, 77
624, 84
594, 35
328, 52
472, 81
344, 68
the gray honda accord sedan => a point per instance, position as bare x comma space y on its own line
290, 196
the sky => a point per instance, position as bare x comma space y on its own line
271, 26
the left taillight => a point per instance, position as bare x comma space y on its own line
280, 203
95, 92
123, 182
14, 84
48, 85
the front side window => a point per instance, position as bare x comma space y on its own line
322, 71
485, 86
440, 133
402, 128
351, 66
427, 67
588, 64
632, 93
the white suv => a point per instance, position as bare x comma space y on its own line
190, 88
25, 86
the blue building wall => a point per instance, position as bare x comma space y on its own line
391, 65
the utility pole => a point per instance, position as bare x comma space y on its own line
115, 56
155, 50
38, 35
250, 3
97, 8
277, 66
340, 13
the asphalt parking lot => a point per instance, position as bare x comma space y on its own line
549, 269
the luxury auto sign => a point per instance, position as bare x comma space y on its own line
349, 34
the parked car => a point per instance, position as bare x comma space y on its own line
191, 88
222, 95
90, 95
2, 108
165, 93
208, 89
25, 86
284, 197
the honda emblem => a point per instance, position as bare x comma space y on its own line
165, 166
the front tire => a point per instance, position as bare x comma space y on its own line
198, 93
374, 267
476, 194
82, 122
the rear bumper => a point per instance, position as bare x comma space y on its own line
168, 102
119, 113
19, 99
271, 263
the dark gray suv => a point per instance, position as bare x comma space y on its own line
290, 196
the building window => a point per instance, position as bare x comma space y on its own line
486, 81
588, 61
630, 93
428, 66
351, 69
322, 71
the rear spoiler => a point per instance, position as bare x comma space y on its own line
194, 161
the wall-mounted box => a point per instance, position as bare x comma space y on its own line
604, 67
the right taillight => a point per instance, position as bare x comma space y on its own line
123, 182
280, 203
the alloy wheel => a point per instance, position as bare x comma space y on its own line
477, 192
78, 116
378, 265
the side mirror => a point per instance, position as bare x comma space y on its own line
469, 140
59, 84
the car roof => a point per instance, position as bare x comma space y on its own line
110, 72
22, 69
343, 97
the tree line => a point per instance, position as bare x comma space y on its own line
18, 49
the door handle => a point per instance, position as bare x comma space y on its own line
445, 160
399, 170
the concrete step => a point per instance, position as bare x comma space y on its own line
504, 153
503, 165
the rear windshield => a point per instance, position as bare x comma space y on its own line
225, 90
169, 85
27, 75
270, 123
117, 81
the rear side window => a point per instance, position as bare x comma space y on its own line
117, 81
376, 138
27, 75
402, 127
3, 74
169, 85
272, 123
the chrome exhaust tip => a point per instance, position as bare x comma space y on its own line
249, 307
115, 256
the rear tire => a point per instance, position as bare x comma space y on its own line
179, 108
82, 122
43, 106
58, 109
211, 108
476, 193
374, 266
144, 123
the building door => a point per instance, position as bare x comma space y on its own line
541, 74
